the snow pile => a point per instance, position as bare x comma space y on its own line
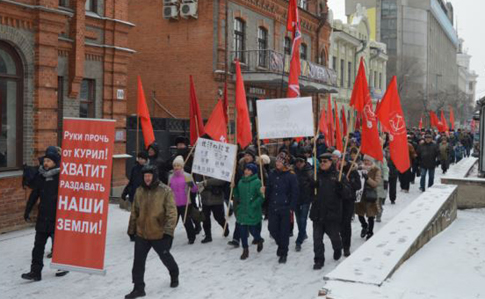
461, 169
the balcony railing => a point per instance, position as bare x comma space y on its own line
270, 61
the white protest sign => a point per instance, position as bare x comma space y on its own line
285, 118
360, 192
214, 159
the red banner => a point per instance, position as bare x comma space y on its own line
84, 188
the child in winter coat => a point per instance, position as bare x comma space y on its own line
249, 211
181, 184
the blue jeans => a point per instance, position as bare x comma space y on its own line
301, 216
244, 231
423, 177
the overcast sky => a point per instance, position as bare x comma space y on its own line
469, 17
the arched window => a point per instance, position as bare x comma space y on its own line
239, 39
11, 107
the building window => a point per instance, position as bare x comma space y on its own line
91, 5
303, 4
60, 108
11, 108
87, 99
349, 74
262, 46
64, 3
470, 86
334, 63
303, 51
375, 79
239, 38
287, 45
342, 72
380, 80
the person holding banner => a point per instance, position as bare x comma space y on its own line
282, 193
249, 212
45, 186
152, 224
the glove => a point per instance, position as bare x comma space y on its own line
386, 185
27, 217
132, 237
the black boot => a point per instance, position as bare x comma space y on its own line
226, 232
207, 239
369, 235
282, 259
346, 252
337, 254
136, 293
260, 245
245, 254
34, 276
363, 233
318, 265
61, 273
233, 243
174, 280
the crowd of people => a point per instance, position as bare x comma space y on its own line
285, 186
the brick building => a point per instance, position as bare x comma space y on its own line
58, 58
175, 39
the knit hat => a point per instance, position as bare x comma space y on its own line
300, 158
54, 157
251, 152
369, 158
266, 160
142, 155
179, 160
253, 167
337, 153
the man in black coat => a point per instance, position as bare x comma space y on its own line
348, 204
156, 161
306, 185
136, 177
45, 187
428, 153
326, 211
282, 194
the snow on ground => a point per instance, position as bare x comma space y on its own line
207, 270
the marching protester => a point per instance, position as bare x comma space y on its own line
368, 206
182, 184
326, 211
156, 161
45, 187
152, 224
382, 187
348, 204
306, 185
212, 194
282, 193
249, 213
445, 154
136, 179
393, 175
428, 153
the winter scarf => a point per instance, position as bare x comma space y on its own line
48, 174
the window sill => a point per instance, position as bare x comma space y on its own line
11, 174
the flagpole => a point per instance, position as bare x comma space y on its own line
259, 153
345, 153
353, 162
193, 180
284, 64
315, 158
137, 133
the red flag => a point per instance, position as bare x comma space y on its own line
144, 115
344, 121
434, 120
244, 134
444, 123
392, 119
452, 118
338, 133
196, 122
216, 126
330, 140
361, 101
357, 122
322, 124
225, 104
421, 123
293, 25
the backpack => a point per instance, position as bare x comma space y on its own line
28, 176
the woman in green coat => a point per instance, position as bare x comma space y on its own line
249, 211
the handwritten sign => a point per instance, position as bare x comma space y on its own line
214, 159
285, 118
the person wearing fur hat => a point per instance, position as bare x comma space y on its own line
152, 224
249, 212
282, 194
182, 184
367, 207
45, 188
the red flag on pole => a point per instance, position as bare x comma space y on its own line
244, 134
434, 120
392, 119
452, 118
444, 123
330, 139
216, 126
144, 115
196, 122
293, 25
338, 133
421, 123
344, 121
361, 101
357, 121
322, 124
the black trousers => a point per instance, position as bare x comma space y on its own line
320, 228
218, 212
279, 227
393, 187
162, 248
189, 225
38, 251
405, 179
369, 226
346, 225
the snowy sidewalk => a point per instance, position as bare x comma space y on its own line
207, 270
